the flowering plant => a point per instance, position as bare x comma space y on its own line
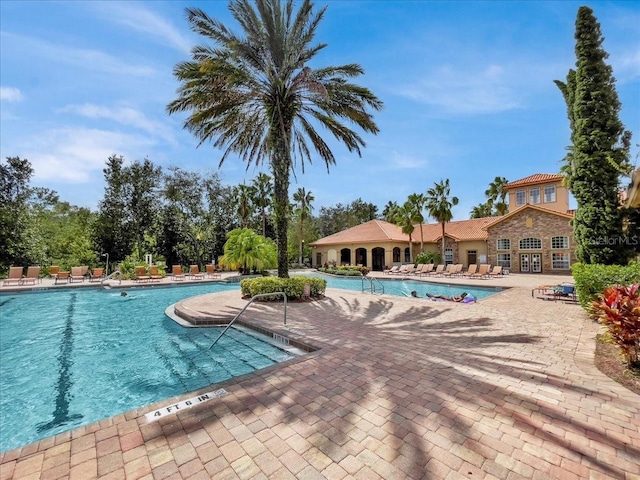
618, 307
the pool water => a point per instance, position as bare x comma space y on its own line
75, 356
402, 287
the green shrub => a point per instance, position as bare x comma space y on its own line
428, 257
345, 270
591, 280
293, 287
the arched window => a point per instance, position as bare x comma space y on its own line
396, 254
531, 243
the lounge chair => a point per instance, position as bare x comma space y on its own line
154, 273
450, 270
482, 272
439, 269
211, 271
419, 269
141, 274
62, 277
393, 269
426, 270
496, 272
53, 271
195, 273
97, 274
76, 274
176, 273
33, 276
471, 270
15, 276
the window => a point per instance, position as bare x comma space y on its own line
521, 197
534, 195
559, 242
503, 244
407, 255
448, 256
549, 193
396, 255
560, 261
504, 260
530, 244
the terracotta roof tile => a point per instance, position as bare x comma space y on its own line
459, 230
534, 179
371, 232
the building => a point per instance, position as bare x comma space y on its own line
535, 236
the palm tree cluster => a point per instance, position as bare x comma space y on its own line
256, 96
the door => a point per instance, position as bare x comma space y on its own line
524, 262
472, 257
536, 262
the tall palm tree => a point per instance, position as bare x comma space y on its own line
255, 95
244, 194
497, 195
439, 205
481, 211
404, 217
263, 190
304, 209
417, 201
388, 211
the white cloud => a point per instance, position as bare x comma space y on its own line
81, 58
124, 115
626, 65
142, 20
76, 155
467, 92
10, 94
405, 162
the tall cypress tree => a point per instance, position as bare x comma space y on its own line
599, 153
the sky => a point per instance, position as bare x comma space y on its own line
467, 88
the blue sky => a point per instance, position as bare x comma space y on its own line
467, 86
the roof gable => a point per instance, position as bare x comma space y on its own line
497, 220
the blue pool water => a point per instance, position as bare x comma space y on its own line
402, 287
69, 357
72, 357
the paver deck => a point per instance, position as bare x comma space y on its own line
400, 388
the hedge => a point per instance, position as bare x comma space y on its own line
293, 287
591, 280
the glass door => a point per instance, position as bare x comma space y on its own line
536, 262
524, 262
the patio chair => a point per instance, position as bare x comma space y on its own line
76, 274
426, 270
33, 276
97, 274
482, 272
439, 269
53, 271
195, 273
450, 270
154, 273
471, 270
176, 273
141, 274
496, 272
211, 271
15, 276
62, 277
393, 269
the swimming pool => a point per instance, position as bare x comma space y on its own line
403, 287
75, 356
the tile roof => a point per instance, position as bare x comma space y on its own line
377, 231
372, 231
534, 179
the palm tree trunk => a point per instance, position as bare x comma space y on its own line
280, 164
443, 260
301, 231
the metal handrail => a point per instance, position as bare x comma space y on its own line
260, 295
372, 287
110, 276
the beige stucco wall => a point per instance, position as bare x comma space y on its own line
329, 250
480, 246
531, 223
560, 205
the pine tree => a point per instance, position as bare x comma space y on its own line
600, 147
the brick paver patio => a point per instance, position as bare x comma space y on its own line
400, 388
